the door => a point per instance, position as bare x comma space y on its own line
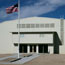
32, 48
23, 48
45, 48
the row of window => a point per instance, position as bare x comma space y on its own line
40, 35
51, 25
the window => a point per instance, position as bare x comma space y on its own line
22, 35
52, 25
46, 25
32, 25
37, 25
41, 25
41, 35
23, 26
27, 25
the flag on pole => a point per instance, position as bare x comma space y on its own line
12, 9
15, 8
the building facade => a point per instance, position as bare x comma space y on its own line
37, 35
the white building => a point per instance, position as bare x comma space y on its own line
37, 35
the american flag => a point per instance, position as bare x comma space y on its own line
12, 9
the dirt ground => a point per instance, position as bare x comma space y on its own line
4, 55
46, 59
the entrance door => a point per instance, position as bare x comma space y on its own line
43, 48
23, 48
32, 48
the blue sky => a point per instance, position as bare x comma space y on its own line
32, 8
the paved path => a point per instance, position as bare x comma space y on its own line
12, 56
21, 61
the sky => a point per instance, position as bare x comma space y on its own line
33, 8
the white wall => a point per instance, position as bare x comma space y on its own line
50, 49
62, 47
6, 37
6, 45
34, 38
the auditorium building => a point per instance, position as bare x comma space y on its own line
37, 35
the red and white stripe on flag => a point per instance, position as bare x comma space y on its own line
15, 9
11, 9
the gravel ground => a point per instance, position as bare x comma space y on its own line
4, 55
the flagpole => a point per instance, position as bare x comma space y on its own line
18, 26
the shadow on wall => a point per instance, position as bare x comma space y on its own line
57, 42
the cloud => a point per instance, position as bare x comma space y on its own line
2, 13
58, 2
4, 16
36, 8
41, 7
